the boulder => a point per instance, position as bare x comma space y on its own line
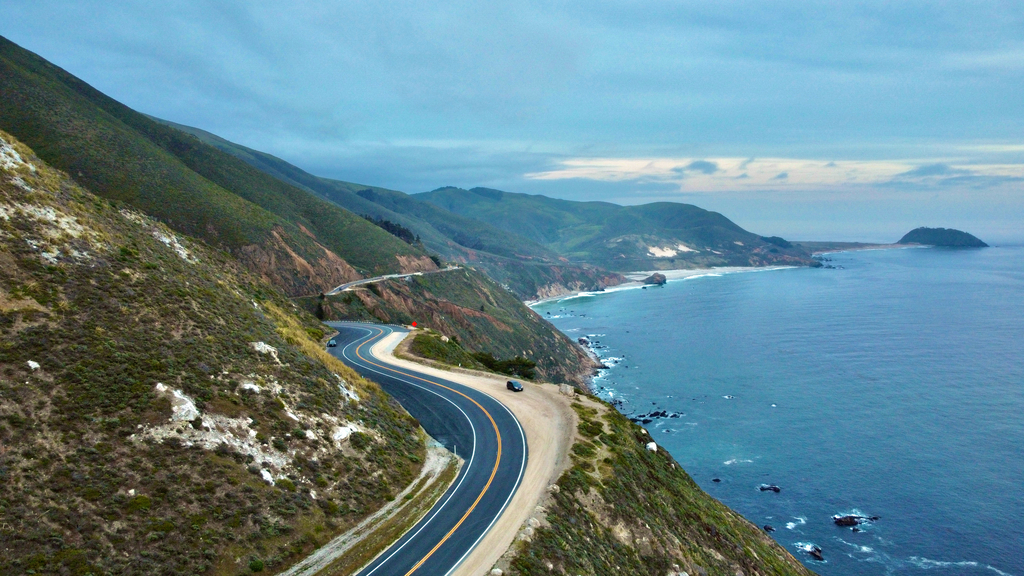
656, 279
769, 488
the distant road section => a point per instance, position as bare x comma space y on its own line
348, 285
466, 421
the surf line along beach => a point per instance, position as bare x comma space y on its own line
636, 280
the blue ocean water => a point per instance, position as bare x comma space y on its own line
889, 386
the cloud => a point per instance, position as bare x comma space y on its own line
932, 170
702, 166
734, 174
942, 175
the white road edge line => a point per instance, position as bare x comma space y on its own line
522, 469
472, 456
522, 464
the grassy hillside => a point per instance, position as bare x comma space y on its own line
526, 267
663, 235
623, 509
466, 305
293, 238
162, 411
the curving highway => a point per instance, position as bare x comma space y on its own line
468, 422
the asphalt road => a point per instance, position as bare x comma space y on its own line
474, 425
348, 285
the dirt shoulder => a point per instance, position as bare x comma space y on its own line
549, 423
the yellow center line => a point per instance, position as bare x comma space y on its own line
496, 461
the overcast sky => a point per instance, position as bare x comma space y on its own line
832, 120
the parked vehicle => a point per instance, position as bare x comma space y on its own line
514, 386
332, 343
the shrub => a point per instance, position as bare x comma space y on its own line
360, 440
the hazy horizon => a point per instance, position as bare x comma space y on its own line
835, 121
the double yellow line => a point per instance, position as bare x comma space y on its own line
497, 460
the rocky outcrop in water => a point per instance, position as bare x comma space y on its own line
847, 520
656, 279
942, 237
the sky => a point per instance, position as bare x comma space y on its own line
810, 120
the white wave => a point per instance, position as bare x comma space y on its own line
857, 547
729, 397
703, 276
928, 564
800, 521
736, 461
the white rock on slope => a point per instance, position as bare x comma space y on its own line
183, 408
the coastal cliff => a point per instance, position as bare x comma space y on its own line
626, 507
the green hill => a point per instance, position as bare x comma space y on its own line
163, 411
466, 305
526, 267
291, 237
658, 236
942, 237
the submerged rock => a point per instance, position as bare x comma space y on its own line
769, 528
769, 488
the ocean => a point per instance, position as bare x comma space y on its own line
890, 384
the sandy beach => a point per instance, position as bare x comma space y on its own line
636, 279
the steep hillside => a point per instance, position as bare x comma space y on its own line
466, 305
626, 507
291, 237
161, 410
659, 236
529, 269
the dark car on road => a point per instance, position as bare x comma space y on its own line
332, 343
514, 386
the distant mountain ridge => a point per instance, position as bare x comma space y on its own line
947, 237
295, 239
526, 267
657, 236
